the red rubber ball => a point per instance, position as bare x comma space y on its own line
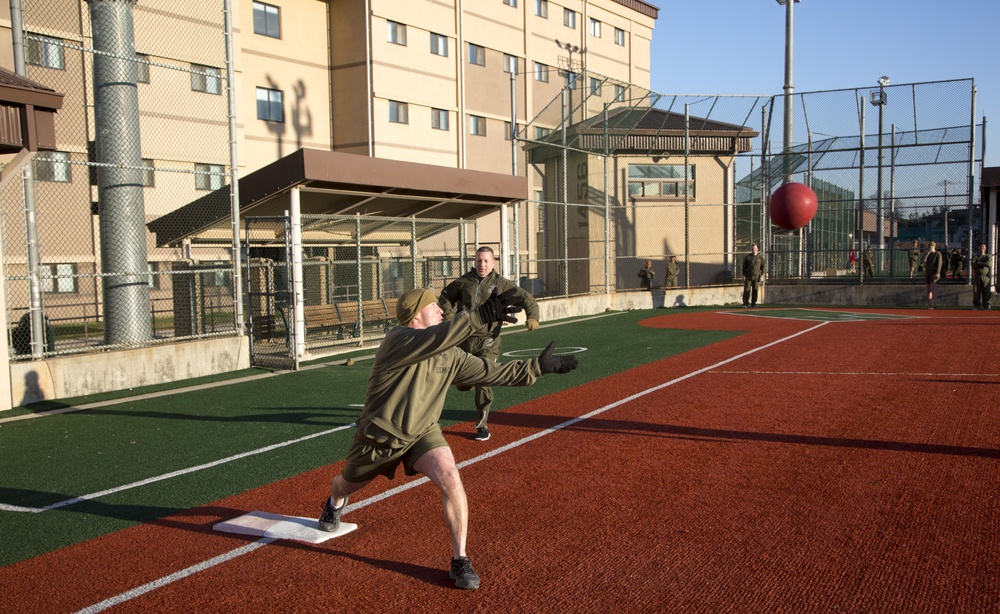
792, 206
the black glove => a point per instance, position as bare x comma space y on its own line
496, 309
556, 364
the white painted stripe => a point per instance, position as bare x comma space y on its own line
119, 599
166, 476
164, 581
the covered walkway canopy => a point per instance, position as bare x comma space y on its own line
334, 183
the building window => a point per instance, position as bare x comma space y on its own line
509, 64
595, 86
571, 79
399, 112
510, 133
477, 55
269, 105
52, 166
439, 45
539, 195
542, 8
208, 176
620, 37
569, 18
218, 278
148, 173
510, 3
660, 181
206, 79
541, 72
439, 119
541, 133
266, 20
619, 93
154, 279
44, 51
141, 68
477, 125
397, 33
595, 28
57, 278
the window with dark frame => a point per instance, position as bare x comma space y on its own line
541, 72
44, 51
477, 125
620, 37
148, 173
141, 68
266, 20
53, 166
57, 278
477, 55
439, 119
665, 181
396, 33
399, 112
270, 107
208, 176
569, 18
207, 79
542, 8
439, 45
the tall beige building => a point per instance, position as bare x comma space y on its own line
426, 81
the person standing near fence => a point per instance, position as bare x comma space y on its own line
646, 275
914, 255
467, 293
933, 262
673, 270
868, 262
753, 275
981, 268
413, 368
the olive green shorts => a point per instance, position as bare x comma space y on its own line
367, 459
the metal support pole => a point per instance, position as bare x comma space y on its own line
298, 296
234, 182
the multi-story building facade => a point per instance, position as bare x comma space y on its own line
428, 81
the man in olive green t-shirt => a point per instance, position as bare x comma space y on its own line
413, 367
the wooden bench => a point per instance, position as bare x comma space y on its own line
343, 317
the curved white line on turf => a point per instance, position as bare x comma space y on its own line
533, 352
4, 507
232, 554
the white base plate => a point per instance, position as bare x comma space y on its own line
264, 524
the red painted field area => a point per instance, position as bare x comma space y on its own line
839, 469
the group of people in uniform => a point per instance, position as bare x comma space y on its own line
953, 261
646, 274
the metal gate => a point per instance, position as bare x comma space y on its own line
270, 308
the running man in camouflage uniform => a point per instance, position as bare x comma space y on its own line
468, 292
413, 368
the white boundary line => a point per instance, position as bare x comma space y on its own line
233, 554
5, 507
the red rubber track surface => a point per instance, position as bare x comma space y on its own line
853, 468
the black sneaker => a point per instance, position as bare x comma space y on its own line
463, 574
482, 434
330, 520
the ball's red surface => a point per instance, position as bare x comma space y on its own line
792, 205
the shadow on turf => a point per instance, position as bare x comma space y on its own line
689, 432
326, 416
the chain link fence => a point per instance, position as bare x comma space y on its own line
143, 130
623, 174
631, 175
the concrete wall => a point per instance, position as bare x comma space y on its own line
70, 376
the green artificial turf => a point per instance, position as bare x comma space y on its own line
47, 460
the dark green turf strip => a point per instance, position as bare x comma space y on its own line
50, 459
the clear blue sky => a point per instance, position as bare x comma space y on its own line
738, 47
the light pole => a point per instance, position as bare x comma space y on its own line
789, 88
878, 98
570, 73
